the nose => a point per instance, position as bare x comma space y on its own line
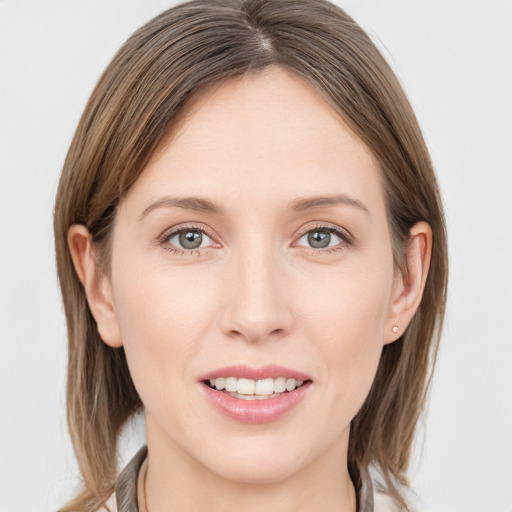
257, 304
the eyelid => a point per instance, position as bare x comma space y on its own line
333, 228
344, 235
169, 233
346, 242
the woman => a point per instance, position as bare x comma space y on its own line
251, 249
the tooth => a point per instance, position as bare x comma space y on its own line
245, 387
220, 383
290, 384
264, 387
280, 385
253, 397
246, 397
231, 384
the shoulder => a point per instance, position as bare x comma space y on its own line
383, 503
110, 505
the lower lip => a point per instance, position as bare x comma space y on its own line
255, 411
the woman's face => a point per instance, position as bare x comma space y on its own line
254, 246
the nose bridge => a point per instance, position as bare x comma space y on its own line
257, 306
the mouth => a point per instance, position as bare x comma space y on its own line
249, 395
250, 389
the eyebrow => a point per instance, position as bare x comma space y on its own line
204, 205
188, 203
307, 203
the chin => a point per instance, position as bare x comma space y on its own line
257, 461
258, 470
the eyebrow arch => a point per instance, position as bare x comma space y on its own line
188, 203
315, 202
204, 205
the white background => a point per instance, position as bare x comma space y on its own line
454, 59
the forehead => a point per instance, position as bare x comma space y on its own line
258, 135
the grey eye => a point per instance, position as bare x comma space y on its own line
190, 239
186, 240
322, 238
319, 239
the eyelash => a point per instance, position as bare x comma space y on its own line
344, 236
182, 252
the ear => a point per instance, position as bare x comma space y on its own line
409, 284
97, 286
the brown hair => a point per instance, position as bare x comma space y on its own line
134, 104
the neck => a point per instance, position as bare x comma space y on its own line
174, 478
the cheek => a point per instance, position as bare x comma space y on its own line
347, 324
163, 317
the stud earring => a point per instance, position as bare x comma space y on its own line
395, 328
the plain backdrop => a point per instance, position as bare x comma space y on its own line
454, 59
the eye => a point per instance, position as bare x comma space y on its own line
323, 237
320, 239
186, 239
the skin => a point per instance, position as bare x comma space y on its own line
255, 293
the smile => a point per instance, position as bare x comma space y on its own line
249, 389
255, 395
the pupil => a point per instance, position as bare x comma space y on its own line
319, 239
191, 239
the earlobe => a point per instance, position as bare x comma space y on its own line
408, 285
97, 286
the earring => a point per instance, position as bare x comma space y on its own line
395, 328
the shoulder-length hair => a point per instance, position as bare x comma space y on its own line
132, 108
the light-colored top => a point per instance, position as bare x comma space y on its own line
129, 495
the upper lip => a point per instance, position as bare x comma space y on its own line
263, 372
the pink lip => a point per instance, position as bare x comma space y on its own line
255, 411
